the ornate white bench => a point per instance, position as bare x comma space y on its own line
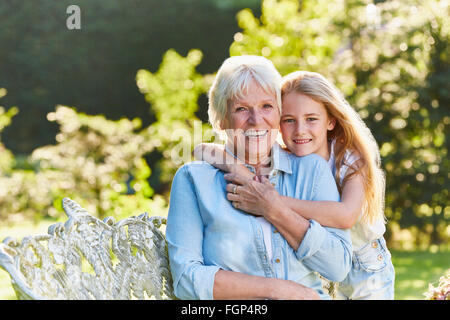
87, 258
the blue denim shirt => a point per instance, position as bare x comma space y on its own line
206, 233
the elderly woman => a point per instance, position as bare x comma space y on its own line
218, 252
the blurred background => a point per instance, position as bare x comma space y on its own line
90, 114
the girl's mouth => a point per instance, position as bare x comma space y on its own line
301, 141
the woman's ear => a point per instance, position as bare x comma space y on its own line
223, 124
224, 121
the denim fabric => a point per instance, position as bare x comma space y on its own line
372, 275
206, 233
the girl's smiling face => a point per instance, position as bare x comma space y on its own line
304, 125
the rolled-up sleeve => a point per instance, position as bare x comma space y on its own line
326, 250
192, 279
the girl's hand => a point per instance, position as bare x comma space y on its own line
259, 198
216, 156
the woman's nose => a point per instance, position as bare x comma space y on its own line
255, 117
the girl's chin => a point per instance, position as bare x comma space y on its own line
300, 152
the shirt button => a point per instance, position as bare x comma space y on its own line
374, 244
380, 257
275, 231
277, 260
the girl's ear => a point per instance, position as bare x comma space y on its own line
331, 124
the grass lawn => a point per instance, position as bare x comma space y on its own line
414, 269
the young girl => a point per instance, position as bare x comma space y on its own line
317, 119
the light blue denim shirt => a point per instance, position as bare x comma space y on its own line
206, 233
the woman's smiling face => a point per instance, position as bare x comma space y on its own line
304, 125
252, 124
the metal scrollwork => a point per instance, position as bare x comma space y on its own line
86, 258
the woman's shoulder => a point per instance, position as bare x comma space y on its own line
197, 168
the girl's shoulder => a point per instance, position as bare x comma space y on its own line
350, 157
311, 164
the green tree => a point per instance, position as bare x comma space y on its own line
173, 92
98, 162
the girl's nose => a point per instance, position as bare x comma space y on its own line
300, 127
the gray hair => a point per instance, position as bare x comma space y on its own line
232, 81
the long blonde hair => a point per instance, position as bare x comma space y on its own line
351, 134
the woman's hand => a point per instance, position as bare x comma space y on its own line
236, 286
259, 198
290, 290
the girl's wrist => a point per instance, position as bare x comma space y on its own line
242, 171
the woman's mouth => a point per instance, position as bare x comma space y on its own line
256, 134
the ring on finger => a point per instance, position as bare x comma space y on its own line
234, 189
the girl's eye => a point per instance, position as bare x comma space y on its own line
288, 120
311, 119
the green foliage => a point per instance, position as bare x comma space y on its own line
100, 163
6, 157
97, 162
294, 35
391, 61
393, 64
173, 92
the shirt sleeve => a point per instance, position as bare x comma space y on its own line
192, 279
323, 249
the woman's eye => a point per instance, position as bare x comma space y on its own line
288, 120
240, 109
311, 119
267, 106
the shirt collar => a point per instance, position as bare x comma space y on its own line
281, 159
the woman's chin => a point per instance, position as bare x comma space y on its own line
258, 154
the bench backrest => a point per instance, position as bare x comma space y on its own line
87, 258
